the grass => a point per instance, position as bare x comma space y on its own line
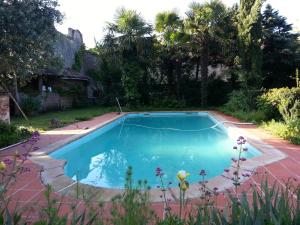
42, 121
282, 130
276, 128
254, 116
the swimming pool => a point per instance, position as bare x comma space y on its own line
145, 141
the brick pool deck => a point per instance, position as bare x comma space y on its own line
28, 190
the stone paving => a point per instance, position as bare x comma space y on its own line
28, 189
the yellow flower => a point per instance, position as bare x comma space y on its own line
184, 185
182, 175
2, 166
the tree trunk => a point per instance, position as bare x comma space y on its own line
204, 76
17, 95
170, 78
178, 78
197, 68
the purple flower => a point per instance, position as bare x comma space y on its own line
233, 160
8, 161
216, 189
35, 148
35, 134
25, 169
159, 172
226, 170
241, 140
243, 159
245, 149
202, 173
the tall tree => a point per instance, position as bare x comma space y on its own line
279, 49
172, 39
27, 34
129, 38
250, 35
206, 23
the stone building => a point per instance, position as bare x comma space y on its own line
66, 84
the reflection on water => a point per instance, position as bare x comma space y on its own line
172, 143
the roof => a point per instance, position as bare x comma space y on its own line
68, 74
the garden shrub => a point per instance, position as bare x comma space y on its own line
168, 102
242, 100
218, 90
11, 134
286, 101
30, 105
283, 130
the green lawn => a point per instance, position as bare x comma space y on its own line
42, 121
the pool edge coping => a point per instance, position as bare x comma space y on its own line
53, 170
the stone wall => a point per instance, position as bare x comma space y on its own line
53, 101
4, 108
67, 46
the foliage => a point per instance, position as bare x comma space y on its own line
78, 58
254, 116
242, 100
130, 78
30, 105
286, 101
207, 24
128, 45
279, 49
168, 103
27, 34
282, 130
133, 206
218, 90
249, 36
11, 134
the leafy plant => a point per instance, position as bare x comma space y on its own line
286, 101
242, 100
30, 105
11, 134
133, 206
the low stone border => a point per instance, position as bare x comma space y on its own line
53, 170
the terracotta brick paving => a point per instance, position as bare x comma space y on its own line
28, 191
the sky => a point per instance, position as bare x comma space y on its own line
90, 16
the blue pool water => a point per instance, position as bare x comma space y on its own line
171, 141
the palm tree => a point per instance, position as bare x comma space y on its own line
129, 39
129, 31
205, 24
172, 39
